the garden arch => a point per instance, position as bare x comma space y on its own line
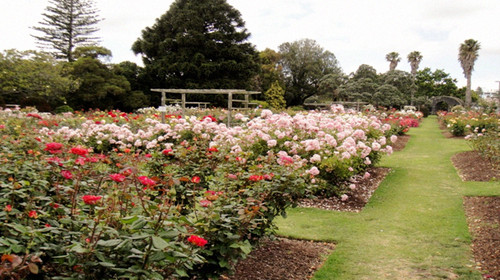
450, 100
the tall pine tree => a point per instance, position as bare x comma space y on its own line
68, 24
198, 44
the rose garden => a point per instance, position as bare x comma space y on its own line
106, 194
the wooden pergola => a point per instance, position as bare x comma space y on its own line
229, 92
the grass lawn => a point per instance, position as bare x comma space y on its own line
414, 226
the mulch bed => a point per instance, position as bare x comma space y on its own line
401, 143
483, 213
472, 166
483, 216
282, 259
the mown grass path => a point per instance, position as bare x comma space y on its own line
414, 226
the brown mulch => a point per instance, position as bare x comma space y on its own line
483, 216
401, 143
471, 166
282, 259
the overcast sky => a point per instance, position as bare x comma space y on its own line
356, 31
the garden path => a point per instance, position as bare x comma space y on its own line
414, 226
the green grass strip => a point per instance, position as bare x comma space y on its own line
414, 226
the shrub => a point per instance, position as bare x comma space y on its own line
63, 109
275, 96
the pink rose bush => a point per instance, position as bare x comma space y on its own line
134, 194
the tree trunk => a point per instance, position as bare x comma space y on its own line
468, 98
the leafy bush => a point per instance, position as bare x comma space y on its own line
487, 143
63, 109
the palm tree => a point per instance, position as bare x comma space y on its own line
393, 58
414, 58
467, 55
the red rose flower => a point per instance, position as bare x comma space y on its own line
167, 152
80, 161
67, 174
32, 214
209, 117
53, 147
146, 181
209, 192
205, 203
8, 208
79, 151
54, 160
195, 179
256, 178
117, 177
33, 115
213, 149
196, 240
91, 199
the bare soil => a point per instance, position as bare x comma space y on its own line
471, 166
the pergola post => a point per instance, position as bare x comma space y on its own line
229, 107
183, 102
163, 104
247, 100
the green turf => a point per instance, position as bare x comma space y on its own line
414, 226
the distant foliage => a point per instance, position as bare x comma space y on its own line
31, 78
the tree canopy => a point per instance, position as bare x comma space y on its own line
305, 63
68, 24
98, 87
198, 44
32, 78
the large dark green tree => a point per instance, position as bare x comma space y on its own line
67, 24
305, 63
198, 44
98, 87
